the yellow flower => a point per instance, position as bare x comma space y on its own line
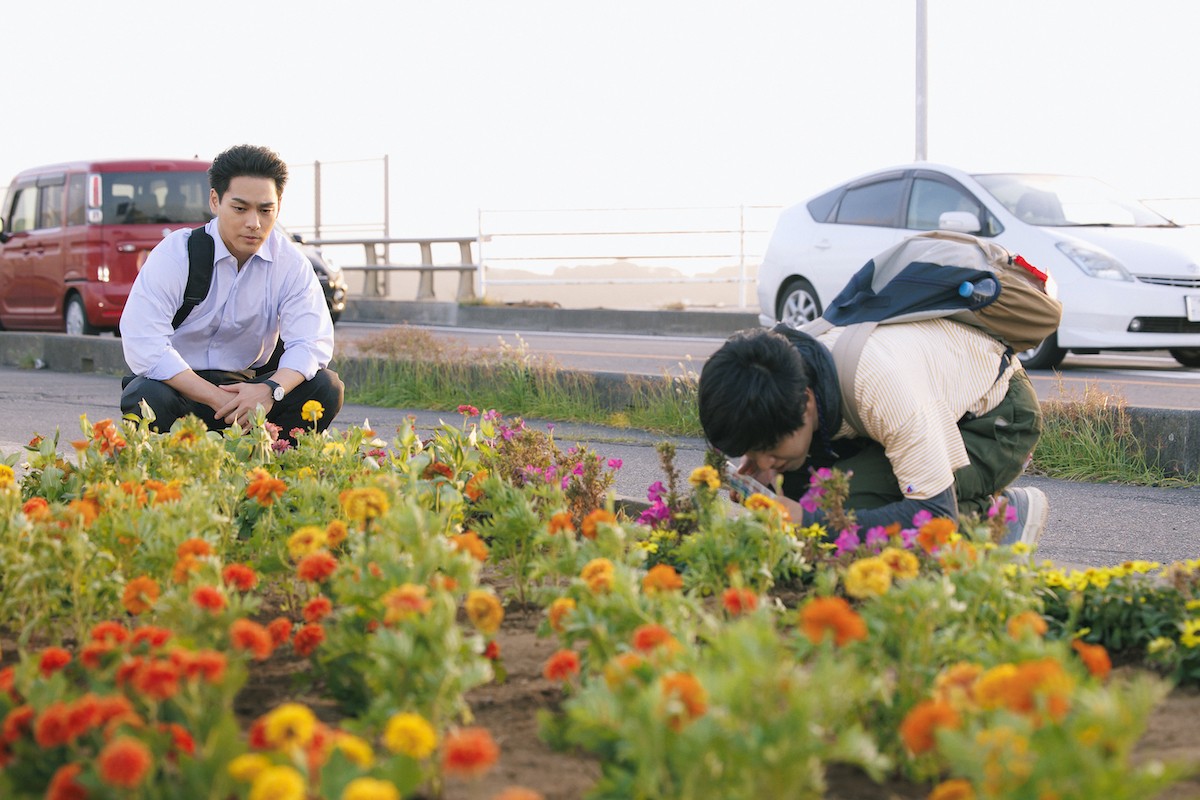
1191, 633
1192, 605
312, 411
355, 749
598, 574
705, 476
370, 789
278, 783
1161, 644
484, 611
814, 531
902, 563
246, 768
364, 503
306, 540
7, 477
411, 735
868, 577
291, 724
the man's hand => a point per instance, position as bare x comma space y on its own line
241, 399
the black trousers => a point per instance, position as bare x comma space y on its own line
169, 405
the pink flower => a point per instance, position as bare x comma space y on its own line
877, 536
921, 517
468, 411
847, 541
655, 491
615, 463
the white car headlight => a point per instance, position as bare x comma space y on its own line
1094, 262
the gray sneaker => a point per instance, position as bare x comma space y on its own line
1033, 510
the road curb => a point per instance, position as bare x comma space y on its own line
1171, 437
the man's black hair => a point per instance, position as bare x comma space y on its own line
753, 392
247, 160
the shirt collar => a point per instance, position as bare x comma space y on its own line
266, 252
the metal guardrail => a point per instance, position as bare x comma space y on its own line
379, 264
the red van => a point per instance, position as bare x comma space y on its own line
73, 236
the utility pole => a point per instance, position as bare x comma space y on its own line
922, 85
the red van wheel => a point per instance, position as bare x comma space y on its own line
75, 320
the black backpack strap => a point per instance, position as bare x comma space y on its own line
201, 252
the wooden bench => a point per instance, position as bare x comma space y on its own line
378, 267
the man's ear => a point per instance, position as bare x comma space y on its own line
213, 201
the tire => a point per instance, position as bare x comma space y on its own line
75, 321
798, 303
1046, 355
1187, 356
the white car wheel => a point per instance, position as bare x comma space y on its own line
1046, 355
798, 303
75, 318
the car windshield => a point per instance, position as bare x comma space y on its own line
1060, 200
155, 197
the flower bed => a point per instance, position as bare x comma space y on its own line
221, 615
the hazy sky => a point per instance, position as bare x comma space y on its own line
504, 104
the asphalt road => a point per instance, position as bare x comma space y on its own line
1090, 524
1148, 380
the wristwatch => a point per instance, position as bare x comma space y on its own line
276, 389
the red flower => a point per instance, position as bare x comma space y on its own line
36, 508
492, 651
124, 762
264, 488
18, 723
150, 635
181, 740
650, 637
53, 659
562, 666
240, 577
317, 609
63, 785
307, 639
157, 679
280, 629
194, 547
83, 715
209, 598
109, 631
249, 635
469, 752
208, 664
53, 726
316, 567
739, 601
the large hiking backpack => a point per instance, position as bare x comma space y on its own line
938, 274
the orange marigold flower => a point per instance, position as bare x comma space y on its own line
558, 612
85, 509
598, 574
53, 659
956, 684
685, 697
661, 578
473, 491
181, 740
317, 609
109, 631
1094, 656
591, 522
336, 533
240, 576
263, 487
562, 666
63, 785
83, 714
209, 598
307, 639
149, 635
468, 752
248, 635
183, 568
437, 468
53, 726
124, 762
920, 725
825, 615
280, 629
17, 723
115, 708
561, 523
316, 567
157, 679
403, 602
470, 543
484, 611
1026, 622
649, 637
1018, 687
935, 533
760, 502
194, 547
167, 492
621, 668
36, 508
953, 789
738, 601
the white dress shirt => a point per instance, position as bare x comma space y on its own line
276, 293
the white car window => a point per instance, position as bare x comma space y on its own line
875, 204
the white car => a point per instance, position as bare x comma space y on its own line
1128, 278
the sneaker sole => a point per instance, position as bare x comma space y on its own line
1038, 514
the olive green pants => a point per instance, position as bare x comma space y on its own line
998, 444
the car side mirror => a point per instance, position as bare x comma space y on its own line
959, 222
4, 235
297, 238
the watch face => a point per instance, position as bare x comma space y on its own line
278, 393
